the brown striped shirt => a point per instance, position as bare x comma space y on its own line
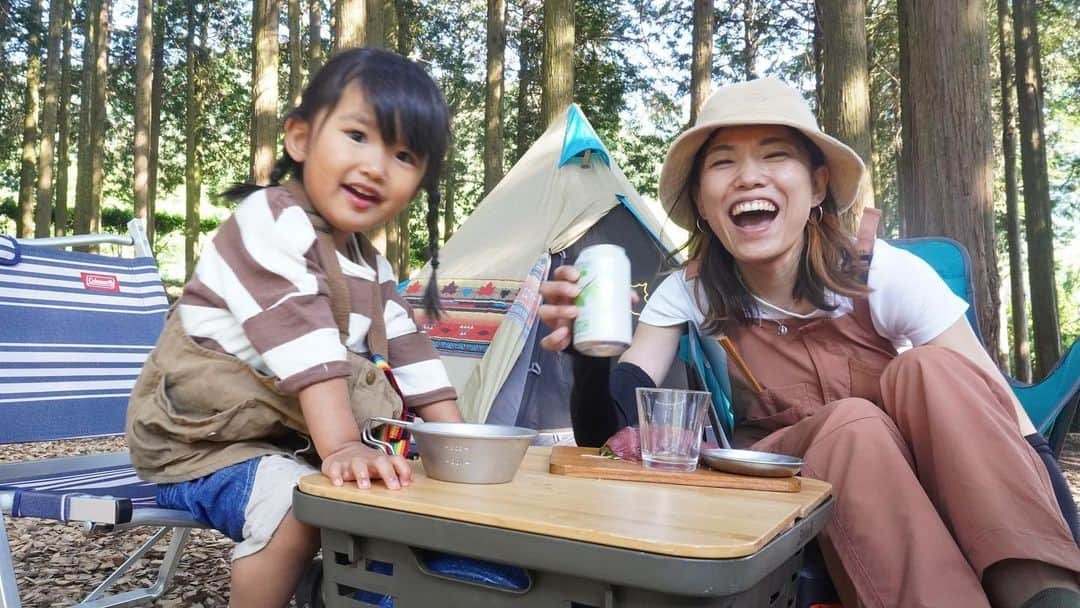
260, 293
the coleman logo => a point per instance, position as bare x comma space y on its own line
100, 282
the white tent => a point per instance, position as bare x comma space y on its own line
553, 201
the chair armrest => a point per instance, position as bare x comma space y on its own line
1044, 400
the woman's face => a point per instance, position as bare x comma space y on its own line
756, 190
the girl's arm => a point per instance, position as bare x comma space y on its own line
960, 338
336, 436
440, 411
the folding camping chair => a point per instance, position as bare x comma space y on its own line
1051, 402
75, 330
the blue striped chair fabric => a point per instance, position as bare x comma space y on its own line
75, 331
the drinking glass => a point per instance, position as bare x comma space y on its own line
671, 422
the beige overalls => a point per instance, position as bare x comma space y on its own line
933, 480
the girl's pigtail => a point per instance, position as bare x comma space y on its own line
432, 306
282, 168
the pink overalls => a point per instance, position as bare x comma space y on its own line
932, 478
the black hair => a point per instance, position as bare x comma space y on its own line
409, 108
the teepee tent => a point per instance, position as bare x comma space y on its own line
564, 194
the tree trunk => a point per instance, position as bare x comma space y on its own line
385, 237
92, 134
350, 23
315, 50
265, 93
1037, 207
144, 90
63, 146
47, 154
946, 163
155, 115
86, 103
493, 110
296, 54
193, 132
450, 178
558, 61
750, 40
701, 56
845, 87
528, 49
100, 112
1020, 350
403, 11
395, 19
24, 222
378, 18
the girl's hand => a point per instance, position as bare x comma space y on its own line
558, 310
355, 461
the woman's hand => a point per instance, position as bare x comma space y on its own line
355, 461
558, 310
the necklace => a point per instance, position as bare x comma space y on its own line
781, 326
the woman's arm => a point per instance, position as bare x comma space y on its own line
653, 349
960, 338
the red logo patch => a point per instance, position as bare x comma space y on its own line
100, 282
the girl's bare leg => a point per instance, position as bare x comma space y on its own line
269, 577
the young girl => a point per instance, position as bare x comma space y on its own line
940, 500
278, 346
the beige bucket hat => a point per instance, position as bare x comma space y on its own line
766, 101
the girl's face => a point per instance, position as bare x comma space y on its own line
756, 190
354, 178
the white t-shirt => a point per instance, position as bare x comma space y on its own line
909, 302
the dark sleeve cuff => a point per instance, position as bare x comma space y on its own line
603, 400
626, 378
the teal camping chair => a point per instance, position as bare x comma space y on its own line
1051, 403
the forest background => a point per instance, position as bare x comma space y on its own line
967, 111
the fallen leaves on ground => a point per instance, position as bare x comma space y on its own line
58, 564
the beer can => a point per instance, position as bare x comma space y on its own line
603, 325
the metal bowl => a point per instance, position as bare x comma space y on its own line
464, 453
750, 462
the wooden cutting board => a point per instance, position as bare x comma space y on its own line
587, 462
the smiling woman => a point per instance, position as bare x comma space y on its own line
819, 316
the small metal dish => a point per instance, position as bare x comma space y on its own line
460, 452
750, 462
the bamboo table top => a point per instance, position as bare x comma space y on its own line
683, 521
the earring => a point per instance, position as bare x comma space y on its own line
820, 214
697, 223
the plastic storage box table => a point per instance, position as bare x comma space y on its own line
569, 542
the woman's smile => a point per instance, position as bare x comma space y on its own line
754, 215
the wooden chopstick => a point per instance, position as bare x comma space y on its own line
733, 354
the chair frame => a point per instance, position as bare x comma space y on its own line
100, 514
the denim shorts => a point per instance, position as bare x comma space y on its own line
245, 501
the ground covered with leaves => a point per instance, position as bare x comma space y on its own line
58, 564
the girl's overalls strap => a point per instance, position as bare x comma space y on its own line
864, 240
339, 291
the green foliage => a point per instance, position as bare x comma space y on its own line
631, 62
